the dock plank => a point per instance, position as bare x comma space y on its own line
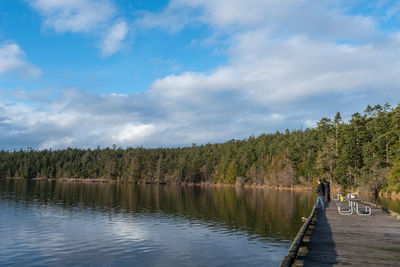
351, 240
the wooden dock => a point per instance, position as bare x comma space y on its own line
352, 240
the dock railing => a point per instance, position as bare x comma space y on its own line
390, 212
294, 248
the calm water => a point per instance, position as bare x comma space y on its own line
62, 224
390, 203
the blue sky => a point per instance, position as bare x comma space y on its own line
172, 73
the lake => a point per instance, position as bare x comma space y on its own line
49, 223
387, 202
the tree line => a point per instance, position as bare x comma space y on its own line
363, 151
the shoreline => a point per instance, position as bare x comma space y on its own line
97, 180
297, 188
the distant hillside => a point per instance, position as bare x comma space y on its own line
362, 152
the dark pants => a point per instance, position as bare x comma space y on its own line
327, 197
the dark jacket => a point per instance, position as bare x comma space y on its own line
321, 190
327, 187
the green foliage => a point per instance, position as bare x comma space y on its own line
393, 177
231, 173
361, 152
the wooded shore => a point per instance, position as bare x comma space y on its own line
361, 153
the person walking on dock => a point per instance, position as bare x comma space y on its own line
321, 194
327, 192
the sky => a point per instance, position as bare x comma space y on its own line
168, 73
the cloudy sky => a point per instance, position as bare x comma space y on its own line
83, 73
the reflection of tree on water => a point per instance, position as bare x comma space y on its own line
262, 213
389, 203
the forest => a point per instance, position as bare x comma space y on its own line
362, 152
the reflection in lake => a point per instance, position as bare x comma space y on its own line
387, 202
56, 223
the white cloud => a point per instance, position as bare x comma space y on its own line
282, 51
271, 72
74, 15
94, 17
132, 133
160, 118
310, 123
12, 59
289, 64
174, 17
321, 19
112, 40
55, 143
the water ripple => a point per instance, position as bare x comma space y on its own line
93, 229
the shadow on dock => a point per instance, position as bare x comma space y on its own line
318, 248
353, 240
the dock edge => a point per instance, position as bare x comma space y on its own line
290, 257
